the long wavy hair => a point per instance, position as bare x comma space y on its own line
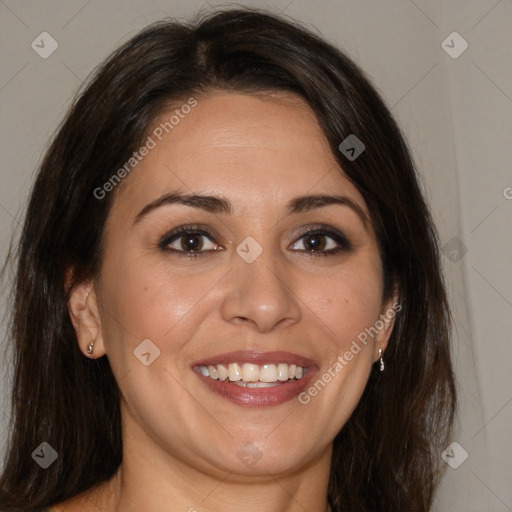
387, 455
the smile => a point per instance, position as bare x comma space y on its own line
256, 379
253, 375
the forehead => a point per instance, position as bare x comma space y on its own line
252, 149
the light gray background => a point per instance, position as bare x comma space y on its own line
456, 113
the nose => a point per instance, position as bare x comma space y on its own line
261, 294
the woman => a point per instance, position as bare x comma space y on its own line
228, 291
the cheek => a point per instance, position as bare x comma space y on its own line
347, 301
344, 305
148, 297
148, 300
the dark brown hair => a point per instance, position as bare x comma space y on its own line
387, 456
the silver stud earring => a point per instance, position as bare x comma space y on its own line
381, 368
89, 348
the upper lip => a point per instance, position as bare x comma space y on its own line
256, 357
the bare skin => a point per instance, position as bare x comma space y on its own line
181, 441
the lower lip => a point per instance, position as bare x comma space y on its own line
258, 397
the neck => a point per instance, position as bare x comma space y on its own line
148, 479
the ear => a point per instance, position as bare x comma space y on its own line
386, 321
84, 313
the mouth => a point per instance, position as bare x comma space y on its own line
256, 379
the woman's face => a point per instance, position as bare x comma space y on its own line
246, 286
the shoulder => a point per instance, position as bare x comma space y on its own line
92, 500
59, 507
74, 504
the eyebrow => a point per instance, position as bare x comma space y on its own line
221, 205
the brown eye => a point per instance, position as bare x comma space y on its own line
324, 242
315, 242
189, 241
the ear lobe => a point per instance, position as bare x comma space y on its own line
84, 313
390, 309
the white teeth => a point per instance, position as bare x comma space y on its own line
253, 375
222, 371
250, 372
235, 372
282, 371
213, 372
243, 384
268, 373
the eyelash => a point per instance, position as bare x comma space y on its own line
321, 229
